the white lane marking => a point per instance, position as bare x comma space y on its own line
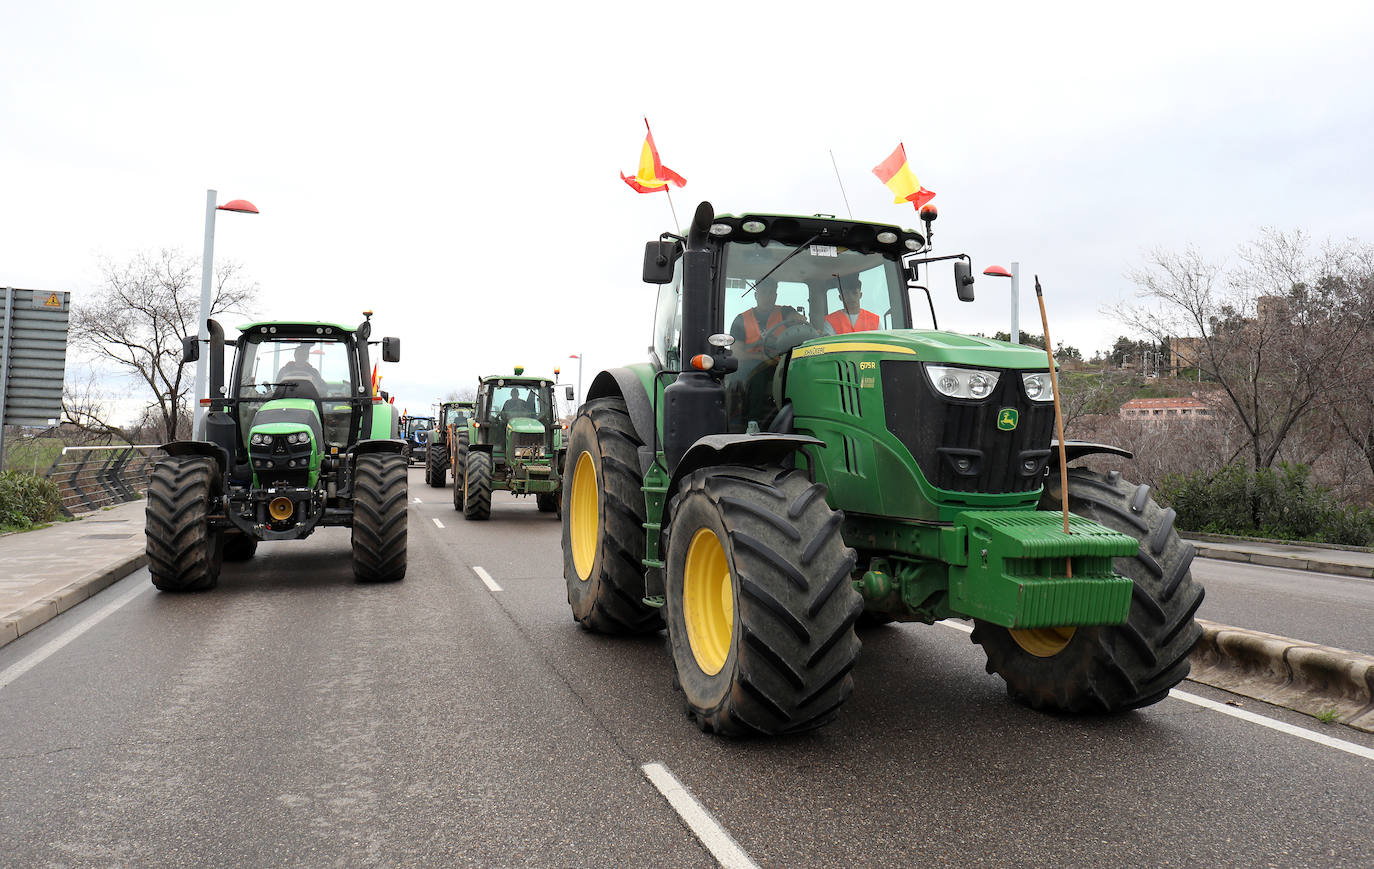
436, 522
486, 578
727, 852
24, 665
1272, 723
418, 501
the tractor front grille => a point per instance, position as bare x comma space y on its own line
957, 443
526, 445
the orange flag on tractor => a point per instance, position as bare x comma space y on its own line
652, 176
897, 175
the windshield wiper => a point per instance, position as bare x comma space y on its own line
795, 251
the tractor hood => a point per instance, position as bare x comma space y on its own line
290, 411
525, 425
948, 348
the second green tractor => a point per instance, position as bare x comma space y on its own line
513, 441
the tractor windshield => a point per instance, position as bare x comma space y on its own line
528, 400
294, 368
771, 308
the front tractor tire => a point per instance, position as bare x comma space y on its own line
477, 486
760, 603
239, 547
1109, 668
184, 554
436, 467
380, 501
603, 523
547, 502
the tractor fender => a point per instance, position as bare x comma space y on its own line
1078, 449
764, 448
377, 445
624, 383
200, 448
481, 448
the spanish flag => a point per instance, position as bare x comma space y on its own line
376, 381
897, 175
652, 176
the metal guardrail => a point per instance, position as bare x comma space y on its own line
93, 477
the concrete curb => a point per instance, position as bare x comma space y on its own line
1292, 562
35, 614
1304, 677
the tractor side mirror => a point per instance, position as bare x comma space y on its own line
963, 280
190, 349
660, 257
572, 396
391, 349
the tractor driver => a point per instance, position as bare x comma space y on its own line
850, 317
516, 405
766, 318
299, 368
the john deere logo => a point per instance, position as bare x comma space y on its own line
1006, 418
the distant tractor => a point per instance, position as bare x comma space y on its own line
453, 417
795, 458
513, 442
415, 430
296, 441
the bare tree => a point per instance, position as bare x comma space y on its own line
1278, 333
137, 318
86, 414
463, 393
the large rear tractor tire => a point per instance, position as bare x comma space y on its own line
603, 523
547, 501
239, 547
477, 486
183, 553
760, 602
436, 467
1114, 667
460, 452
380, 501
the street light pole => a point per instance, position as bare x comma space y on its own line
1015, 302
578, 357
207, 268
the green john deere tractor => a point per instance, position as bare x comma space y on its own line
795, 458
512, 442
453, 417
297, 441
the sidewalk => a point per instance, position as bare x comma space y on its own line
1345, 561
51, 570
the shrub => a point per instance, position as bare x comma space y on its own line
1281, 503
26, 500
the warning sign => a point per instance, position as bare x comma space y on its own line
50, 301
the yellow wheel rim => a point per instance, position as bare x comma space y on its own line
582, 516
1043, 642
708, 602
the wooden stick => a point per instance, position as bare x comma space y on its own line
1058, 417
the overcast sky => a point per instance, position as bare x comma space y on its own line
454, 166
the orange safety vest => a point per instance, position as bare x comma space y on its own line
839, 321
753, 335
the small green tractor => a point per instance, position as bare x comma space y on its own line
513, 441
296, 441
778, 473
453, 418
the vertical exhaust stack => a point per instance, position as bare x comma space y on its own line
694, 404
216, 332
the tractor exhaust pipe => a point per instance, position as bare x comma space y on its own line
216, 332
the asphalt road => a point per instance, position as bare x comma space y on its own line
294, 717
1316, 607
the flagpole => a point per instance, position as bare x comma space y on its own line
676, 225
841, 181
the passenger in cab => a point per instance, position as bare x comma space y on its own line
851, 317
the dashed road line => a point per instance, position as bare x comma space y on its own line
486, 578
726, 850
1243, 715
436, 522
417, 501
24, 665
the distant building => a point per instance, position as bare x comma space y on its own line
1166, 409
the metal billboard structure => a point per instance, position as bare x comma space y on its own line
33, 356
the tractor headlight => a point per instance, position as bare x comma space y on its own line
260, 440
300, 437
1038, 386
962, 382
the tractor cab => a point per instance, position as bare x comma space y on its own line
781, 281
